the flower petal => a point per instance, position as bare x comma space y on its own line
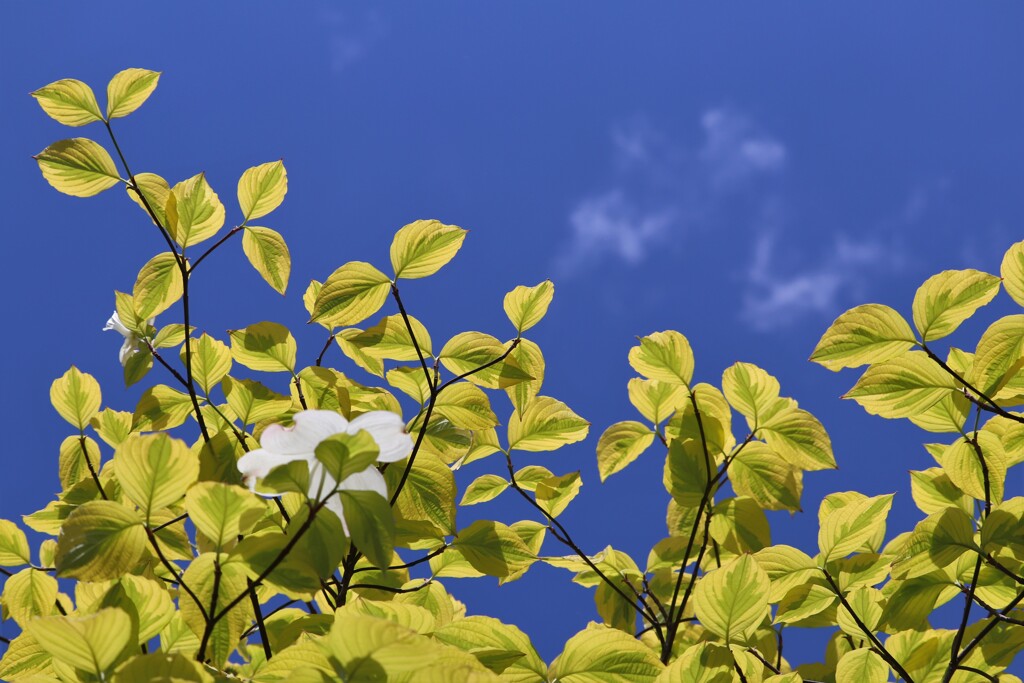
257, 464
311, 427
388, 430
114, 323
367, 480
129, 347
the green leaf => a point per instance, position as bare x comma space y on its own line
493, 548
76, 397
787, 568
871, 333
92, 643
1012, 270
428, 496
14, 551
847, 528
159, 408
601, 654
933, 492
155, 470
411, 381
701, 663
867, 606
221, 511
156, 191
904, 386
526, 306
466, 406
29, 594
964, 468
528, 356
128, 89
294, 574
158, 285
686, 473
947, 299
350, 295
999, 356
477, 633
664, 356
252, 402
261, 189
656, 400
265, 346
372, 364
760, 473
160, 667
194, 211
621, 444
390, 339
800, 439
862, 666
99, 540
936, 542
269, 255
214, 595
137, 366
69, 101
370, 524
290, 477
24, 659
805, 601
483, 488
468, 352
751, 391
423, 247
555, 493
546, 424
211, 361
343, 455
78, 167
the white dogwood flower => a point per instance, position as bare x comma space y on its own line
281, 445
132, 342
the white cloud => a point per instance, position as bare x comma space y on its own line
661, 190
610, 224
734, 150
777, 297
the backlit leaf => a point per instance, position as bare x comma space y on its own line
194, 211
621, 444
1012, 270
76, 396
128, 89
526, 306
269, 255
92, 642
221, 511
423, 247
732, 601
477, 354
158, 285
155, 470
261, 189
947, 299
903, 386
846, 529
69, 101
665, 356
862, 666
545, 425
265, 346
78, 167
601, 654
866, 334
350, 295
99, 540
493, 548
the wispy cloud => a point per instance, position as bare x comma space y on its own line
776, 296
661, 189
351, 36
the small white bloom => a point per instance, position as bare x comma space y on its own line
132, 342
281, 445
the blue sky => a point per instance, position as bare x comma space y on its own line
740, 172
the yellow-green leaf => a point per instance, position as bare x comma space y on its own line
483, 488
194, 211
999, 356
466, 406
732, 601
161, 667
161, 407
903, 386
155, 470
862, 666
555, 493
621, 444
493, 548
69, 101
390, 339
265, 346
78, 167
29, 594
211, 361
665, 356
14, 551
99, 540
866, 334
526, 306
269, 255
221, 511
157, 286
701, 663
76, 397
546, 424
962, 464
656, 400
351, 294
763, 475
936, 542
800, 439
468, 353
948, 298
1012, 270
200, 577
261, 189
528, 356
849, 527
92, 642
252, 402
128, 89
156, 190
423, 247
601, 654
751, 391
